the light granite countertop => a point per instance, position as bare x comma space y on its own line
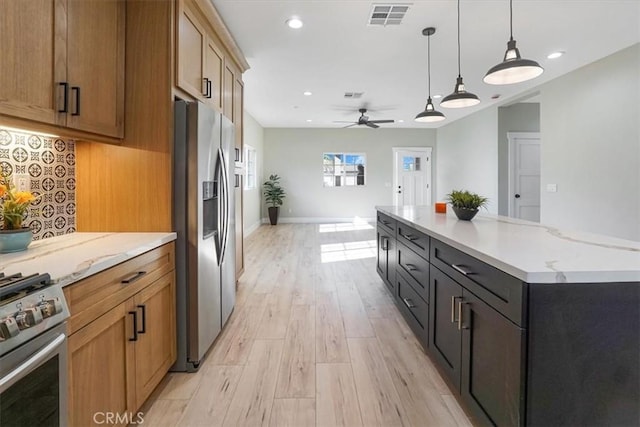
74, 256
530, 251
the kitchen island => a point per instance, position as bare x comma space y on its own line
529, 324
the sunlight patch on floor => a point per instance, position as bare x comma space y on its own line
334, 252
357, 224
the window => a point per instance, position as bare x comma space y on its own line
410, 164
250, 170
343, 169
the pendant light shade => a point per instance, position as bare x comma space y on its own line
512, 69
430, 114
460, 97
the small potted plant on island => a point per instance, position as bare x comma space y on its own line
466, 204
273, 195
13, 207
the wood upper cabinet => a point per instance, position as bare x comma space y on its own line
101, 368
95, 66
67, 63
191, 40
32, 42
213, 71
156, 346
228, 85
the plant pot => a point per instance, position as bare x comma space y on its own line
465, 214
15, 240
273, 214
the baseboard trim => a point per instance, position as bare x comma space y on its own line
318, 220
252, 228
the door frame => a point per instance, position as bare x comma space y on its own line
428, 151
511, 150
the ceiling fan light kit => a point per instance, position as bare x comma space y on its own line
460, 97
512, 69
430, 114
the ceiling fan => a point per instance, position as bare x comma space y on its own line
364, 120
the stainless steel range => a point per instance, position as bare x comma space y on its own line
33, 351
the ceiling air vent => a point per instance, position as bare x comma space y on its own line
387, 14
353, 95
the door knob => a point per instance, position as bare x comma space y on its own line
517, 196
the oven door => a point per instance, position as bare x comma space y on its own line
33, 382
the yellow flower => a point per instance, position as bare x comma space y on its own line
22, 197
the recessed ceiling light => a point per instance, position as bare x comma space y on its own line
400, 121
294, 22
309, 120
307, 93
555, 55
437, 96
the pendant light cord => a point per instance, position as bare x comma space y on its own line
511, 20
459, 73
429, 65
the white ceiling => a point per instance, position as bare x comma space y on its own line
336, 51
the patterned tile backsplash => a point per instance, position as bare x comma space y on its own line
50, 164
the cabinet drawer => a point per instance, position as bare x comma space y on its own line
415, 269
414, 239
387, 222
91, 297
500, 290
413, 308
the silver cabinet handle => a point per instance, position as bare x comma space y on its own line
411, 267
24, 369
461, 325
453, 308
460, 269
410, 237
408, 303
384, 244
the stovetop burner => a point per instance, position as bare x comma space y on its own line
17, 286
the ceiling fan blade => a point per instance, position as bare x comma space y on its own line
352, 124
380, 121
372, 125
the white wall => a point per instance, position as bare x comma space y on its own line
253, 136
468, 157
591, 147
296, 155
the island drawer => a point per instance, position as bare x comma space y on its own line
415, 269
414, 239
413, 309
92, 297
387, 222
500, 290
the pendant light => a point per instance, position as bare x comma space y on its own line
460, 97
512, 69
430, 114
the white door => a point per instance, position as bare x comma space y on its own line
524, 181
412, 176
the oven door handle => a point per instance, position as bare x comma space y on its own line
23, 370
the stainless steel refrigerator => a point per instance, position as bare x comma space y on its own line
204, 220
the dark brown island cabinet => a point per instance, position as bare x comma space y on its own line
514, 353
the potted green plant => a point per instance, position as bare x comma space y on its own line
13, 208
273, 196
466, 204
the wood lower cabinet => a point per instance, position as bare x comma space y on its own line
123, 342
57, 75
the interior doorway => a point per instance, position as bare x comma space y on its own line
411, 176
524, 175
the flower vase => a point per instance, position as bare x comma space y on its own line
15, 240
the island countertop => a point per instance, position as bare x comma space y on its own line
72, 257
529, 251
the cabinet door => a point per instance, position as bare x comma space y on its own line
227, 92
386, 259
213, 70
238, 106
101, 366
156, 345
33, 46
492, 364
191, 41
444, 335
95, 66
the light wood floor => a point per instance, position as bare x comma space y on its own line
314, 340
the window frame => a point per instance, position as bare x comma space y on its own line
250, 166
361, 154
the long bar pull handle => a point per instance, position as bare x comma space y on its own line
206, 88
384, 243
65, 98
209, 91
76, 89
135, 325
461, 324
453, 309
410, 237
460, 269
408, 303
137, 276
144, 319
411, 267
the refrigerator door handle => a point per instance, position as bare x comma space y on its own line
225, 204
